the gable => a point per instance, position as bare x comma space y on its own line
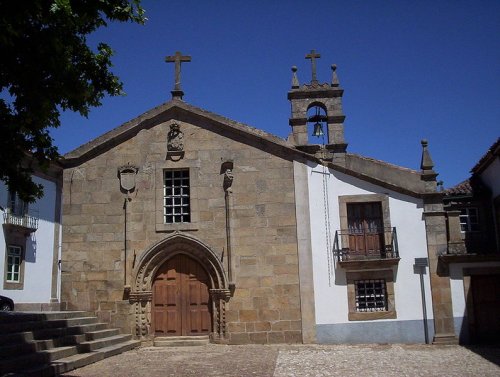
180, 111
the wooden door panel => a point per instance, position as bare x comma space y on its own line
486, 300
159, 321
172, 325
205, 321
181, 299
365, 229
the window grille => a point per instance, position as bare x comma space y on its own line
176, 196
371, 295
13, 264
469, 220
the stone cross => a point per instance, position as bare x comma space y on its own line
313, 56
178, 59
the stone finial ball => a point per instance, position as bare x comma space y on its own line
294, 68
424, 142
334, 67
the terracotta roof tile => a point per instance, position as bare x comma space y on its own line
463, 188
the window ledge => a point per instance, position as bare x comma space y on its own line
176, 227
369, 316
10, 285
368, 264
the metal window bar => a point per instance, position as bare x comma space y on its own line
371, 295
176, 194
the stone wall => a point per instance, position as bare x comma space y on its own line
265, 307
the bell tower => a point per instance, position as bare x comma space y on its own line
317, 104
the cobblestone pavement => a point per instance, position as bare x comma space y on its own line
299, 360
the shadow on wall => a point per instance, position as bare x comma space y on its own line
30, 254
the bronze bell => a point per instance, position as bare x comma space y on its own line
318, 130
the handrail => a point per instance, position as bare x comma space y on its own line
24, 221
381, 243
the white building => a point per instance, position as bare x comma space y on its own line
369, 234
30, 245
473, 263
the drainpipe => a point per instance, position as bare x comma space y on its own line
420, 268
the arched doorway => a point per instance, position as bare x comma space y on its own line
198, 269
181, 300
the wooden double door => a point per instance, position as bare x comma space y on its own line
486, 301
181, 300
366, 229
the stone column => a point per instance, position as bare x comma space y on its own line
142, 308
437, 245
219, 298
435, 226
304, 249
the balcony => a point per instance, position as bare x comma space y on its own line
24, 223
366, 248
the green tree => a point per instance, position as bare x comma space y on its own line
47, 67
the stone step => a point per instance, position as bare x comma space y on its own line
40, 345
94, 345
99, 334
40, 334
180, 341
76, 361
17, 316
20, 326
48, 344
35, 358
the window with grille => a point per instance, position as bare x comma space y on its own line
469, 220
13, 274
176, 207
371, 295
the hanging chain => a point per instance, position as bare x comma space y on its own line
326, 205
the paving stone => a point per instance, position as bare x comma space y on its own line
300, 361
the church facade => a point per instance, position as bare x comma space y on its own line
184, 223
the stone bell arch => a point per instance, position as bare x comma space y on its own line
152, 259
325, 96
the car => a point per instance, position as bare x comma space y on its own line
6, 304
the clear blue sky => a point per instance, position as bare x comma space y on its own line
409, 69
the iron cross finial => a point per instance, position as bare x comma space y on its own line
178, 59
313, 56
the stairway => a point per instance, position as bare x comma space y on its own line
50, 343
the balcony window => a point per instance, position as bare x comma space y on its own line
469, 220
365, 229
16, 215
366, 233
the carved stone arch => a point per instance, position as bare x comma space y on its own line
154, 257
317, 103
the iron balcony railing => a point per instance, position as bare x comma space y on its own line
24, 221
362, 244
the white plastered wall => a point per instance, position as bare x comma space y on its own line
39, 250
406, 214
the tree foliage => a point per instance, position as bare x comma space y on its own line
47, 67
